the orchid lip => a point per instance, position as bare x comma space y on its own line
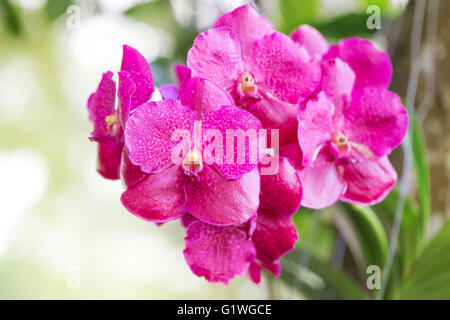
340, 144
246, 84
112, 124
192, 163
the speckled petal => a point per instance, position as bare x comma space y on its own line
158, 198
213, 199
108, 162
130, 173
203, 95
125, 94
141, 74
216, 56
273, 237
338, 80
232, 118
217, 253
376, 119
315, 127
372, 67
148, 134
276, 114
254, 272
100, 105
322, 185
369, 180
311, 39
281, 193
284, 69
247, 26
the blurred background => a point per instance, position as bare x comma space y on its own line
63, 231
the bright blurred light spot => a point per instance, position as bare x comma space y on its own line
29, 4
97, 44
23, 179
208, 11
16, 89
331, 8
399, 3
156, 96
183, 11
97, 47
149, 257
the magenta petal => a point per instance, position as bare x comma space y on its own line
216, 56
284, 69
276, 114
203, 95
217, 253
315, 127
169, 91
182, 72
369, 181
372, 67
338, 80
273, 237
244, 159
187, 219
293, 153
158, 198
131, 174
148, 134
254, 272
281, 193
100, 105
125, 92
108, 162
216, 200
376, 119
322, 185
141, 74
311, 39
247, 26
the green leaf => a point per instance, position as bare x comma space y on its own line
384, 5
430, 278
336, 283
422, 174
409, 242
11, 18
55, 8
349, 25
295, 12
157, 13
370, 234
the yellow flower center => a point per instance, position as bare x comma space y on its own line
192, 162
341, 142
112, 119
247, 84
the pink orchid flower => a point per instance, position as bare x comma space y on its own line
263, 70
135, 88
220, 253
347, 130
218, 193
372, 67
344, 150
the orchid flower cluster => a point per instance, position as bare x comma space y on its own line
258, 124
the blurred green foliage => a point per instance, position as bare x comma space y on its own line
11, 17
